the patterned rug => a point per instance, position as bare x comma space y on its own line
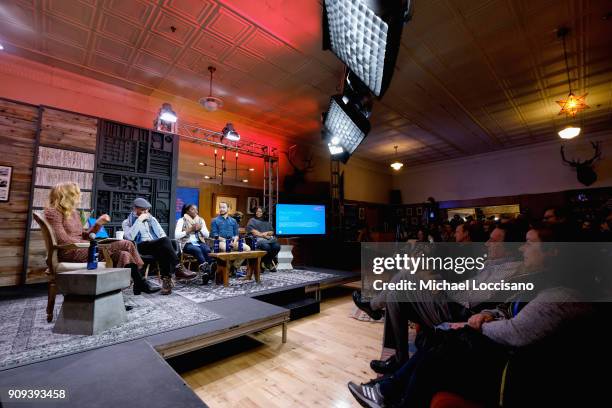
238, 287
26, 337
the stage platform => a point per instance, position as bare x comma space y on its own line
132, 371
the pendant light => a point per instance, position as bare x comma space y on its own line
396, 165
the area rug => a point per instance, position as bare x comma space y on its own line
239, 287
26, 337
362, 316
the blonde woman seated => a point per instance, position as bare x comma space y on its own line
65, 221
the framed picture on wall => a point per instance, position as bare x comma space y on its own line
6, 173
409, 211
419, 211
231, 200
252, 204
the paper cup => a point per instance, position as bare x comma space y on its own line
119, 234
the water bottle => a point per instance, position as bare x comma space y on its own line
216, 245
92, 254
240, 244
228, 245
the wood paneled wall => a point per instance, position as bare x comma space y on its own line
18, 125
242, 193
67, 132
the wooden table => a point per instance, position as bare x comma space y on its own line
225, 258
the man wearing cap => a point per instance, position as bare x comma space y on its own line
150, 238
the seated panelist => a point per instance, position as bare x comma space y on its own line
62, 216
263, 237
191, 232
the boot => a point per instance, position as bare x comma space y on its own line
182, 273
205, 271
141, 284
166, 285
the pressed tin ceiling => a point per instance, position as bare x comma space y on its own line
472, 76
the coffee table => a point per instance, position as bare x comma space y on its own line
225, 258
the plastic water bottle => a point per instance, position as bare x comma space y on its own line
241, 245
228, 245
92, 254
216, 245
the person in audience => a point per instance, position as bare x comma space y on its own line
191, 232
448, 234
429, 309
66, 225
554, 215
91, 221
150, 238
225, 228
471, 359
263, 238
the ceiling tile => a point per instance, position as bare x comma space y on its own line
229, 25
107, 65
151, 63
74, 11
136, 11
147, 78
17, 14
195, 11
64, 31
159, 46
64, 51
167, 22
212, 45
120, 29
112, 48
242, 60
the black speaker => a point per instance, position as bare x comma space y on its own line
395, 197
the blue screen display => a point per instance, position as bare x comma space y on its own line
300, 219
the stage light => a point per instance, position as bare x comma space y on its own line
230, 133
344, 128
366, 36
333, 149
569, 132
166, 114
245, 180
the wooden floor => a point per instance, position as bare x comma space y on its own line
322, 354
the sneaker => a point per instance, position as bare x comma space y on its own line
181, 273
368, 395
166, 285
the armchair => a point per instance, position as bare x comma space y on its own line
54, 266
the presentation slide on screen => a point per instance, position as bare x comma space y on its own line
299, 219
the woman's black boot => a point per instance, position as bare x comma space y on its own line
141, 284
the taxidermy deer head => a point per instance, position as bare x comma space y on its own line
299, 171
584, 168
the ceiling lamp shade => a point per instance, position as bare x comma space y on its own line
572, 105
211, 103
344, 128
366, 35
230, 133
569, 132
166, 114
396, 165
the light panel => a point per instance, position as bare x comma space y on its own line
345, 128
365, 35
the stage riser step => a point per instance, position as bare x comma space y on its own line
302, 308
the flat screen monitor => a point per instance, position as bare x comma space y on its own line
300, 219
